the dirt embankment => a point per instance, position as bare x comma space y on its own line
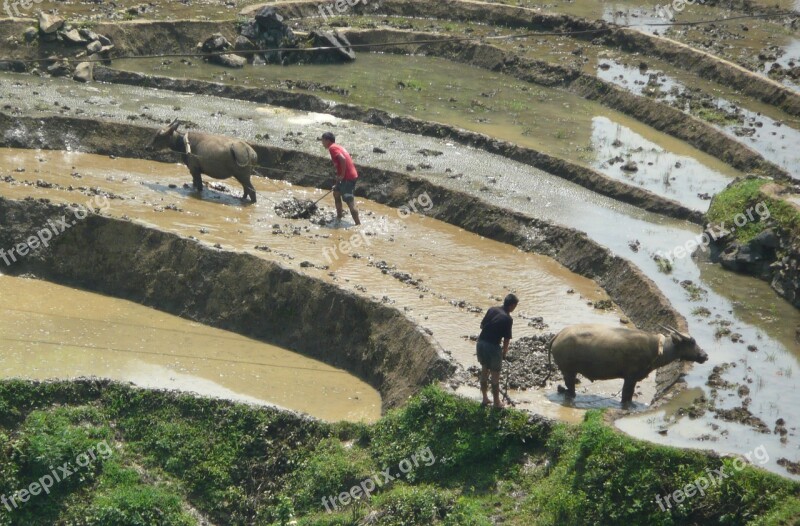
635, 293
583, 176
661, 117
142, 38
235, 292
680, 55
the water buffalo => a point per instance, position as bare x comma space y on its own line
600, 352
214, 155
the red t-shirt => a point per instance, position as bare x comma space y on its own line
350, 173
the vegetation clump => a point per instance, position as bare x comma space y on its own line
174, 458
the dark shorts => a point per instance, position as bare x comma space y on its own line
490, 355
347, 189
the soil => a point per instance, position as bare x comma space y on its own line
526, 366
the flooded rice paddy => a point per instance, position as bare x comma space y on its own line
708, 297
50, 331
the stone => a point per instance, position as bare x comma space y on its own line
94, 47
89, 35
73, 37
630, 166
30, 34
59, 69
269, 18
104, 40
84, 72
215, 42
342, 51
49, 24
230, 60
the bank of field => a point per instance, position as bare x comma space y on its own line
179, 460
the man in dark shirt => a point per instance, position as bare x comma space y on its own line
496, 326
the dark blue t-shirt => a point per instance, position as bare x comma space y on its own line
496, 325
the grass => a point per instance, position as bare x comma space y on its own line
240, 465
745, 195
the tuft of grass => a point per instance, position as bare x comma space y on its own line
744, 195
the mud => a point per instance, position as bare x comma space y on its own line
583, 176
636, 294
182, 277
526, 366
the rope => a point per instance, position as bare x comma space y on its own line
414, 42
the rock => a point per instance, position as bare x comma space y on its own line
229, 60
30, 34
106, 49
89, 35
94, 47
378, 150
49, 24
84, 72
250, 30
59, 69
269, 18
342, 51
244, 44
73, 37
215, 42
104, 40
766, 239
15, 66
630, 166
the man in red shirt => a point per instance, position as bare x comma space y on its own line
346, 176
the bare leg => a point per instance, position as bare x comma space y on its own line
337, 198
496, 389
485, 385
353, 212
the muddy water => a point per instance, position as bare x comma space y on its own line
50, 331
517, 187
768, 131
548, 120
456, 275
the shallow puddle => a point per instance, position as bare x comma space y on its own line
50, 331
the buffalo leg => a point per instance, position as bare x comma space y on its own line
247, 185
197, 180
627, 391
569, 381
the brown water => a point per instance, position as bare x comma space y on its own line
455, 270
50, 331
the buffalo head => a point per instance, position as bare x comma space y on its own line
686, 346
162, 139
